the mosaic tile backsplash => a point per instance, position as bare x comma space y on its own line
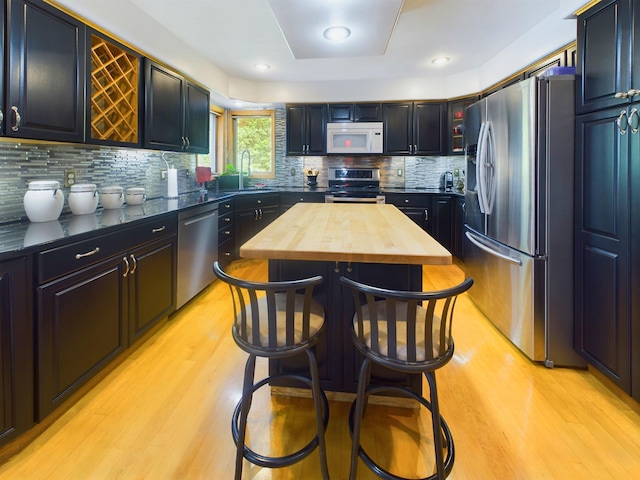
21, 163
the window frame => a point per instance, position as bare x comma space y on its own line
231, 142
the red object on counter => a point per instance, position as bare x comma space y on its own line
203, 174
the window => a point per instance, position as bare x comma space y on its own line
213, 158
252, 133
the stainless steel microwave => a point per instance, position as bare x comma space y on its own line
352, 138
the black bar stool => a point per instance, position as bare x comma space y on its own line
276, 320
408, 332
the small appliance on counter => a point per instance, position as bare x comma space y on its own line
446, 181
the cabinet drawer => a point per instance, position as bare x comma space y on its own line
225, 206
291, 198
409, 200
225, 221
261, 200
74, 256
68, 258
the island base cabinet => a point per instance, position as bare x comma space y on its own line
81, 328
338, 360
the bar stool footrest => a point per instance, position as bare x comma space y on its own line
286, 460
377, 469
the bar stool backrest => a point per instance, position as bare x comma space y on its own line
405, 328
273, 317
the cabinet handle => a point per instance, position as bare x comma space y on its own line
135, 264
88, 254
621, 117
1, 117
126, 264
337, 268
227, 219
633, 92
406, 200
158, 230
227, 232
621, 95
426, 214
227, 254
188, 142
634, 124
16, 126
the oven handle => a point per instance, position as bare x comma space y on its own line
336, 199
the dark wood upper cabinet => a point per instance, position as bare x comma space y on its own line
341, 112
606, 47
414, 128
455, 125
177, 112
307, 129
45, 72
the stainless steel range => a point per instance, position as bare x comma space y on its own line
354, 185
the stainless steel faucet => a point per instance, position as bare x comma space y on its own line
241, 179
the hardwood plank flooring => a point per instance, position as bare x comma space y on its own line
164, 413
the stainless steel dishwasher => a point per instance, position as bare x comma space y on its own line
197, 250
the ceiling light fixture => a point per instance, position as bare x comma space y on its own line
440, 60
261, 66
336, 33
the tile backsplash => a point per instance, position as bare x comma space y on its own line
22, 162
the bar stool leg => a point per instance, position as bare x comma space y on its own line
247, 395
436, 424
359, 412
315, 388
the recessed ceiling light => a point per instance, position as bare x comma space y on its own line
336, 33
261, 66
440, 60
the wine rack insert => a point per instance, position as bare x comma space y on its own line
115, 92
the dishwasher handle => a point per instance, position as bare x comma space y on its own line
200, 218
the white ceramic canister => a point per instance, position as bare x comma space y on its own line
83, 198
43, 201
112, 197
136, 195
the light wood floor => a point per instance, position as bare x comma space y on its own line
165, 412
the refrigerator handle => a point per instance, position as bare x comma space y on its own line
493, 252
479, 166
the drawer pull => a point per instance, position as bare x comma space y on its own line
15, 127
88, 254
158, 230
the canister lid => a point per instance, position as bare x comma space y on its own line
135, 190
83, 187
112, 189
44, 185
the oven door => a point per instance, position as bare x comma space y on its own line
354, 199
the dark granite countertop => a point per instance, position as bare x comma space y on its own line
26, 237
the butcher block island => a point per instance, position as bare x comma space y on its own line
372, 243
346, 232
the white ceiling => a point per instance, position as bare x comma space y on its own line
219, 41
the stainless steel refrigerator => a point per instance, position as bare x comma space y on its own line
519, 214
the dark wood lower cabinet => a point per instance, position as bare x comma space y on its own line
81, 329
338, 360
89, 314
16, 349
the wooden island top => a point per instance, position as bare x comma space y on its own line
346, 232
